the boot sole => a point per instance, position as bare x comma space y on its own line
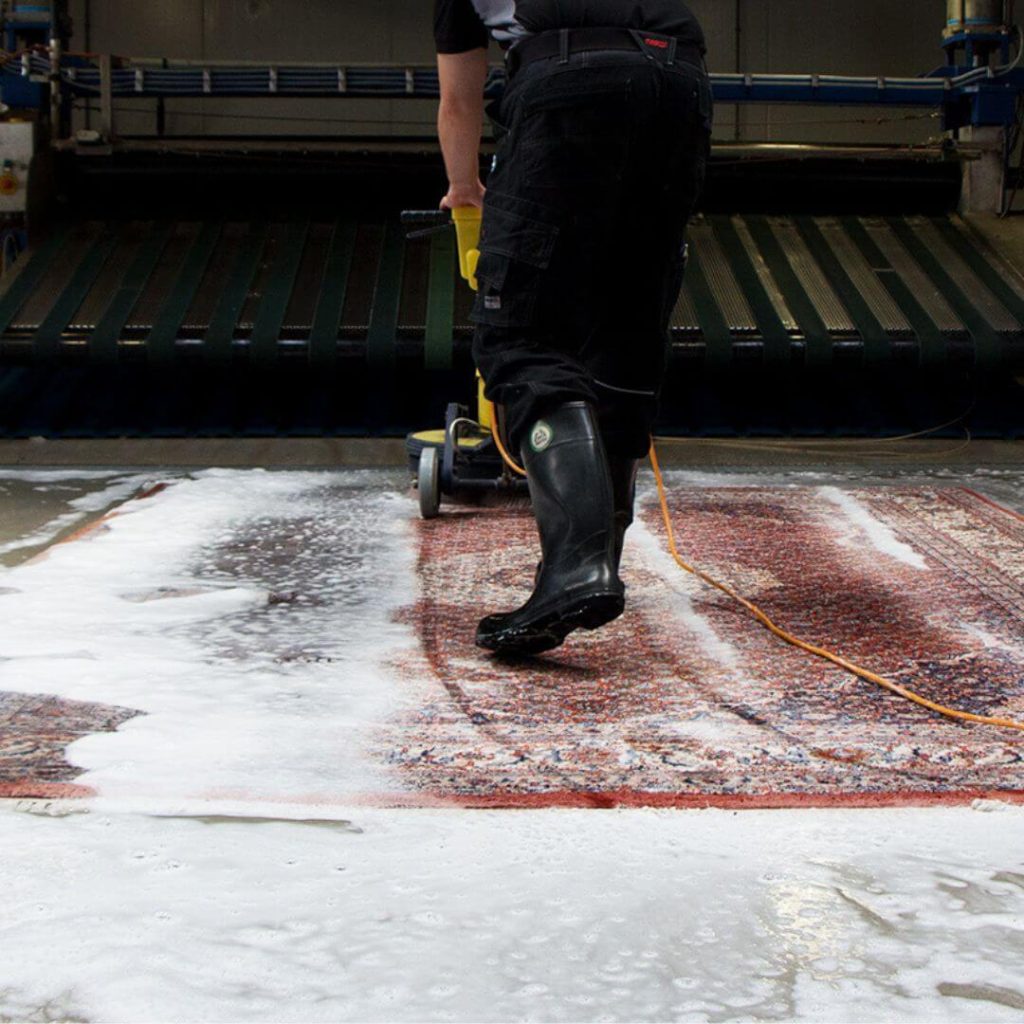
551, 631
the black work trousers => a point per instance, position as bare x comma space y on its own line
600, 162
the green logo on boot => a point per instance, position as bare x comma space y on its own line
541, 437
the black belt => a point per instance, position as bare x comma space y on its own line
567, 41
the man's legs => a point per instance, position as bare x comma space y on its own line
557, 233
551, 200
626, 360
627, 354
555, 177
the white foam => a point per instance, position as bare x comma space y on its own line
676, 611
988, 640
234, 688
862, 526
496, 916
683, 587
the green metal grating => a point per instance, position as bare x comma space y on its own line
774, 290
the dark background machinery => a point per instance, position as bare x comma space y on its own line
160, 284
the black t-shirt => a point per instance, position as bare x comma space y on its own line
463, 25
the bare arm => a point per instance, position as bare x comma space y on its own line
460, 124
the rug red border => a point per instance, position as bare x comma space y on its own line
44, 791
992, 503
741, 801
566, 800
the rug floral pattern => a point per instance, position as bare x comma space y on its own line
688, 701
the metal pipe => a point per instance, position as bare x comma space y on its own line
106, 98
88, 49
161, 114
739, 60
56, 97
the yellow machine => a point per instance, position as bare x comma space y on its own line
467, 230
466, 456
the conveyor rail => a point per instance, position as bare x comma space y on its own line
143, 79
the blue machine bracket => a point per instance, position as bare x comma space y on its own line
21, 24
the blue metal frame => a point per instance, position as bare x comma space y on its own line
977, 45
25, 19
990, 101
967, 96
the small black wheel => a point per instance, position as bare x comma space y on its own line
429, 483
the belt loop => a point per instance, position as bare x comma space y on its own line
638, 38
673, 46
563, 45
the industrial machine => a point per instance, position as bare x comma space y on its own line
467, 457
978, 29
266, 285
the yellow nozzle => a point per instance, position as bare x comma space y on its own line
484, 407
467, 228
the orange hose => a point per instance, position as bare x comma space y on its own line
818, 652
509, 461
762, 617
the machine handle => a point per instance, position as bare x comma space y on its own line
434, 222
427, 217
467, 226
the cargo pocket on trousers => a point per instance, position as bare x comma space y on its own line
515, 253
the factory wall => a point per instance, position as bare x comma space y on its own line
826, 36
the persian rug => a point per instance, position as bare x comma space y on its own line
687, 701
35, 731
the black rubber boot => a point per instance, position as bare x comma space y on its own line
578, 586
623, 474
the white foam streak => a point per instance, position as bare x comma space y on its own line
862, 526
684, 588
